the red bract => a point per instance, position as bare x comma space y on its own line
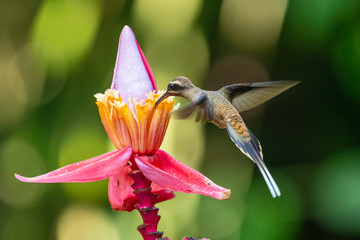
137, 130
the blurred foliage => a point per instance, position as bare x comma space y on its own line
55, 55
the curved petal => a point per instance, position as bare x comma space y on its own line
121, 194
147, 67
163, 193
93, 169
167, 172
131, 74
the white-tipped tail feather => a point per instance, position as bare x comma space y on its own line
252, 149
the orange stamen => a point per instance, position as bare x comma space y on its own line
136, 124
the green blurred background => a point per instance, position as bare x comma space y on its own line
55, 55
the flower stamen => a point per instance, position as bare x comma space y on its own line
135, 123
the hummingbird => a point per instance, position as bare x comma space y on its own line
223, 108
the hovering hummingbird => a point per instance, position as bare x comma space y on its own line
223, 108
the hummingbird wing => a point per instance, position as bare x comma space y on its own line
250, 146
203, 106
245, 96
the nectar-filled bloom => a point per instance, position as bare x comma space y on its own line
134, 124
136, 129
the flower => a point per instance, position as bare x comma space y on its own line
136, 129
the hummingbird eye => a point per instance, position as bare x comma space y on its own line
171, 87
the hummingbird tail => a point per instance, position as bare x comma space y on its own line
274, 189
251, 147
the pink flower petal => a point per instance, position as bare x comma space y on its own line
93, 169
164, 194
131, 74
170, 173
147, 66
121, 194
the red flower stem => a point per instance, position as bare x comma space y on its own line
146, 206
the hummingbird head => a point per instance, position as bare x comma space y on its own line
176, 87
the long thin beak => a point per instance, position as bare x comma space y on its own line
165, 95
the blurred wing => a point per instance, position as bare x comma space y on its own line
186, 111
204, 108
250, 146
245, 96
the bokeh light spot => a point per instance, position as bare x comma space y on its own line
346, 58
232, 69
80, 143
185, 55
17, 156
269, 218
13, 96
64, 30
180, 214
225, 219
166, 18
80, 222
253, 25
337, 193
310, 23
23, 225
33, 72
176, 139
125, 221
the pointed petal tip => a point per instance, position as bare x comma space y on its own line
132, 74
36, 179
226, 194
174, 175
94, 169
21, 178
126, 31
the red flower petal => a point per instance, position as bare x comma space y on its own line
164, 194
147, 66
121, 195
167, 172
93, 169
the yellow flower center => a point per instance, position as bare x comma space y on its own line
135, 124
